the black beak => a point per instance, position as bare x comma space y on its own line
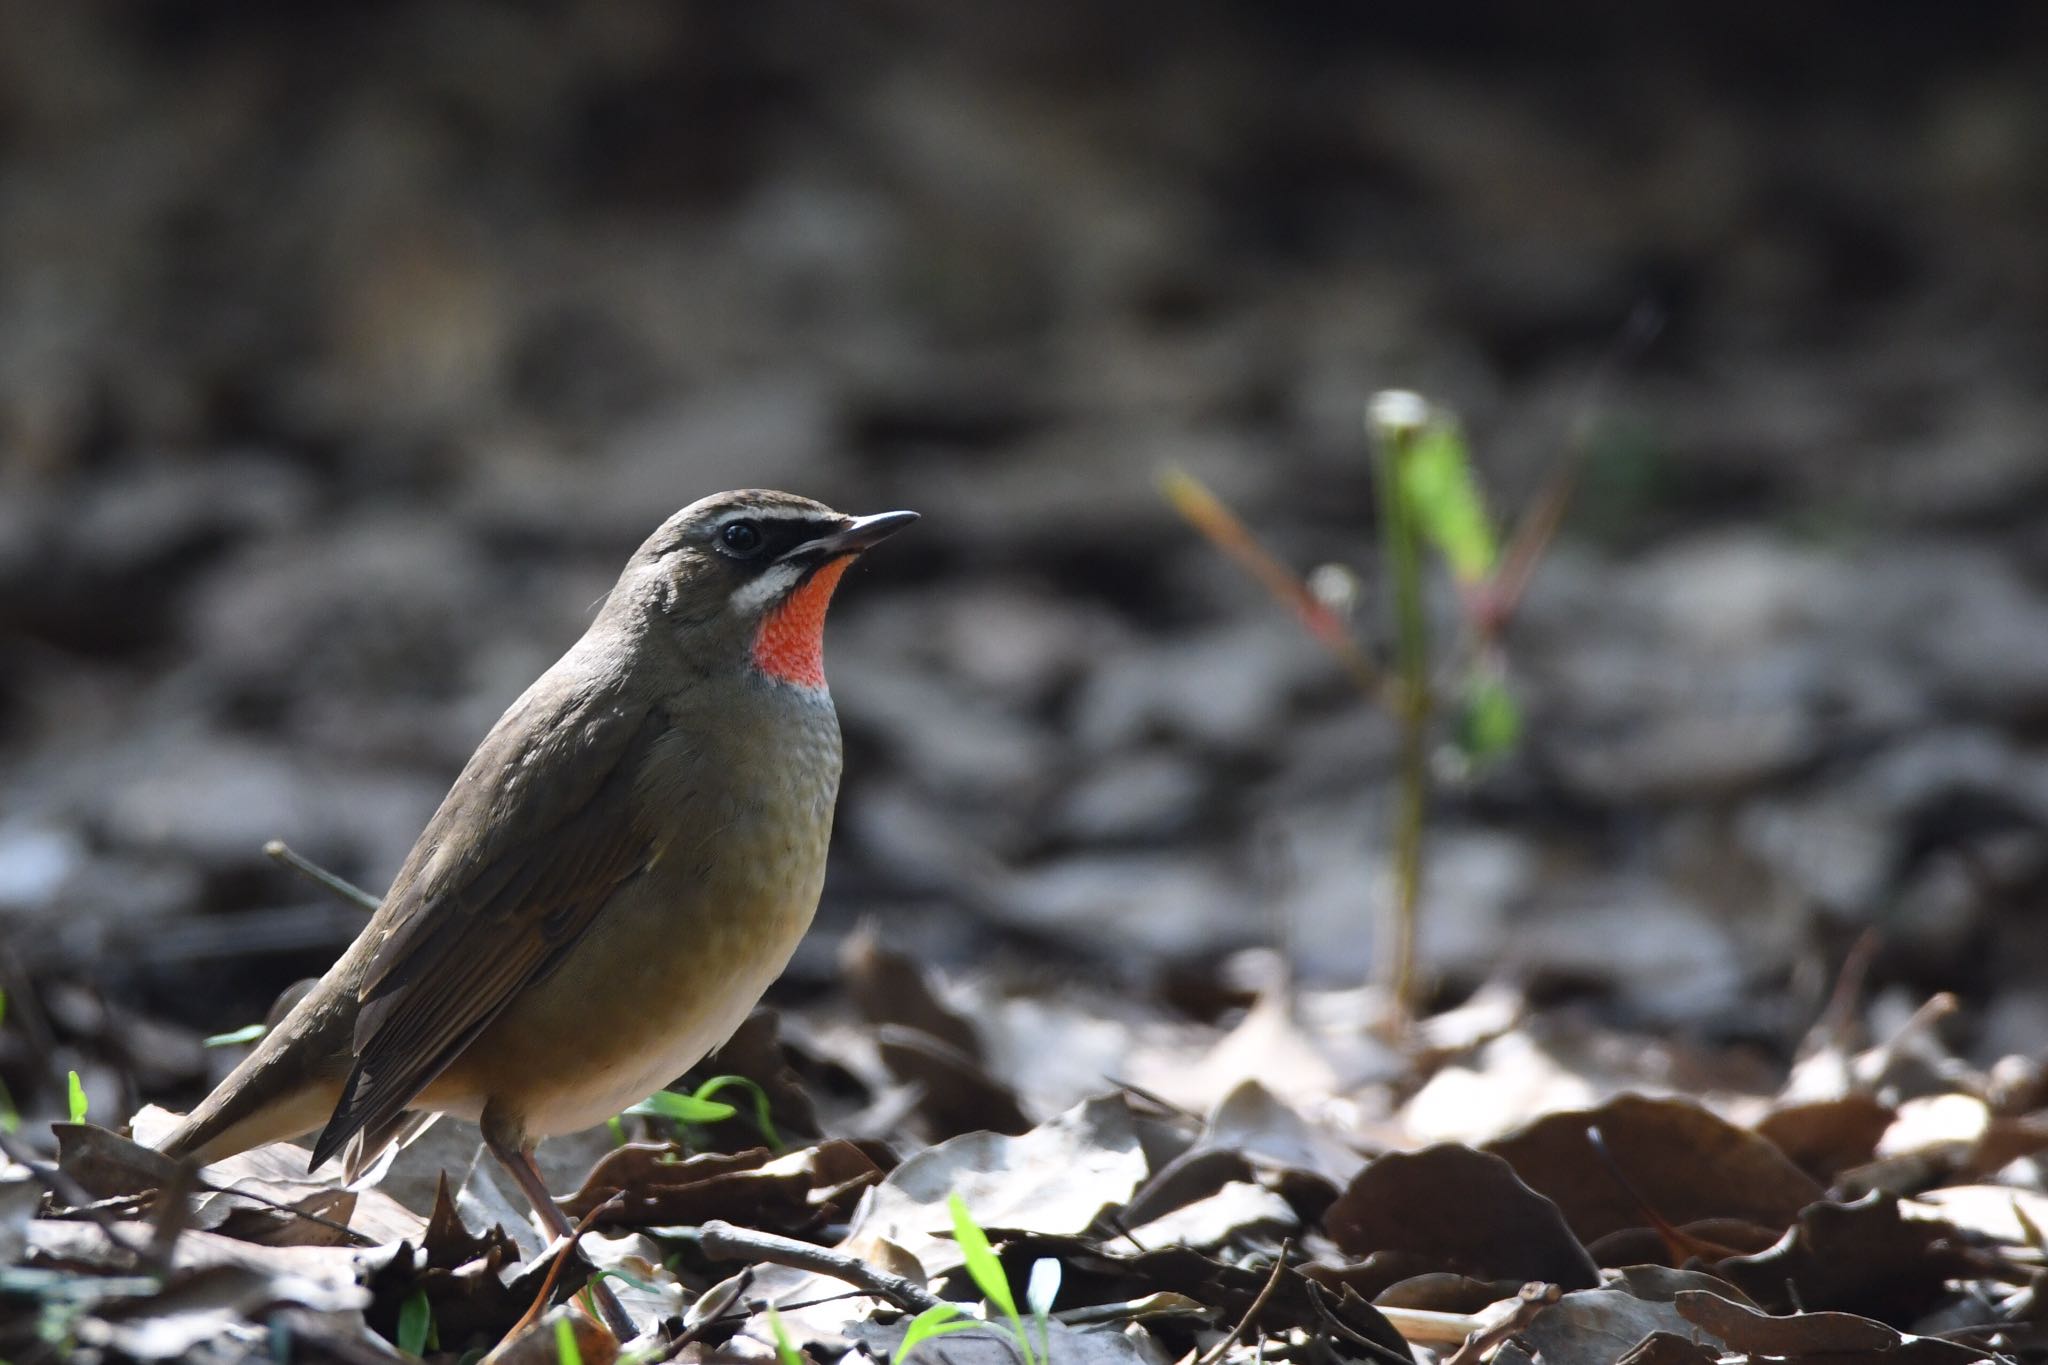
859, 534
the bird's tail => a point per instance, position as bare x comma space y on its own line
285, 1088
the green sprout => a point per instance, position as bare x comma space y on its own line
785, 1349
248, 1033
935, 1321
698, 1107
416, 1334
10, 1117
986, 1269
1429, 504
76, 1094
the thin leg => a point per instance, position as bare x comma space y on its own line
518, 1163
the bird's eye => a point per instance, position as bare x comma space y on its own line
741, 538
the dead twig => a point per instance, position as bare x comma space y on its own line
1502, 596
1208, 514
280, 852
722, 1241
1317, 1294
1265, 1294
710, 1316
53, 1179
1534, 1298
547, 1286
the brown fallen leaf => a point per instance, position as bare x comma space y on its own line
957, 1094
1686, 1162
1668, 1348
1826, 1137
539, 1343
1815, 1336
1855, 1258
1464, 1212
792, 1192
1599, 1326
890, 987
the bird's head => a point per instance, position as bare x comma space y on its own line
750, 573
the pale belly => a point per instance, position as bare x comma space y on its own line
636, 1004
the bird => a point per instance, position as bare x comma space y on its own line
622, 868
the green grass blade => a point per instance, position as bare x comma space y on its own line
785, 1350
667, 1104
935, 1321
10, 1117
1437, 481
247, 1034
567, 1352
77, 1097
762, 1118
987, 1270
415, 1323
1490, 725
982, 1262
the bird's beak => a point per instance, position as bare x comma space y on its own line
857, 535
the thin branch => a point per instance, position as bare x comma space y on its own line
1217, 1352
722, 1241
1208, 514
1502, 596
280, 852
547, 1285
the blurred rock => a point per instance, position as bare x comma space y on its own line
1132, 903
1133, 797
1227, 688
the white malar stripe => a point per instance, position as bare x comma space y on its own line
756, 594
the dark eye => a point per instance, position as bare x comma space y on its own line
741, 538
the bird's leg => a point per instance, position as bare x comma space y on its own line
517, 1159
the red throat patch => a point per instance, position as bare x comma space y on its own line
791, 642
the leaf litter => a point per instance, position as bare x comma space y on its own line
1882, 1204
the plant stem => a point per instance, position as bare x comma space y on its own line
280, 852
1402, 542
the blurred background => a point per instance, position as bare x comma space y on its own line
347, 351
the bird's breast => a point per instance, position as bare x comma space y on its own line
741, 818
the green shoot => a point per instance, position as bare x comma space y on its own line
1400, 424
1490, 725
623, 1277
987, 1271
567, 1352
785, 1349
1437, 485
76, 1090
935, 1321
416, 1324
249, 1033
762, 1119
10, 1117
1039, 1293
699, 1108
617, 1128
667, 1104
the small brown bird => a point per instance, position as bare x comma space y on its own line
622, 868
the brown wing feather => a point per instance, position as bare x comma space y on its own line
545, 816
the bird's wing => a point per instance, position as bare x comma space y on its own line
537, 835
